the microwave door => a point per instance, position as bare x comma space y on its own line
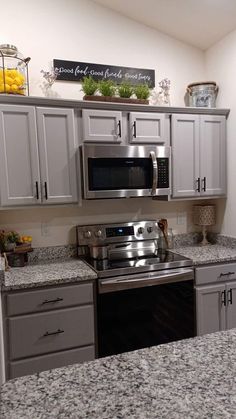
154, 173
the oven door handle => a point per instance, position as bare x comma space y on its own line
145, 280
154, 172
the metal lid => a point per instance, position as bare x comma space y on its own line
201, 82
8, 49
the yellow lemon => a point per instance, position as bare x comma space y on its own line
21, 92
2, 88
8, 80
18, 81
29, 239
14, 88
14, 73
7, 88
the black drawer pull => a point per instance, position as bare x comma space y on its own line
46, 190
204, 184
134, 134
230, 296
52, 301
119, 129
227, 273
198, 184
37, 190
223, 298
53, 333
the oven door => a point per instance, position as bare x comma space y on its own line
125, 171
133, 318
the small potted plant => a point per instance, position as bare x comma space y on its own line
142, 91
107, 88
125, 90
12, 238
89, 86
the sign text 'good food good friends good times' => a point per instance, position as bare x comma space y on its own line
76, 71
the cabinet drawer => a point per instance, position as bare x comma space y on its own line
216, 273
47, 299
46, 362
52, 331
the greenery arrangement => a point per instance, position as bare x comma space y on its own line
107, 88
8, 237
142, 91
89, 86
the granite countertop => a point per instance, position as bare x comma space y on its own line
46, 273
193, 378
212, 253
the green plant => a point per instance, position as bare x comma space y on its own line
125, 90
12, 237
89, 86
142, 91
107, 88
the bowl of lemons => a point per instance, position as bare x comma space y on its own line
12, 81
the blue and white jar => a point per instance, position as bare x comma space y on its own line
202, 94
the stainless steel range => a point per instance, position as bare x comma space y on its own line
145, 295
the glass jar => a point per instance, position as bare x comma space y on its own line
13, 71
162, 243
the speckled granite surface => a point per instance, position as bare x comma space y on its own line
193, 378
207, 254
48, 273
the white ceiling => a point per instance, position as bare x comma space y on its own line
200, 23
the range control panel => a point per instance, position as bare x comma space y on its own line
112, 233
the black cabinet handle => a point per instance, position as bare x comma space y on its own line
119, 128
58, 331
198, 184
227, 273
204, 184
37, 189
135, 133
46, 190
52, 301
230, 296
223, 298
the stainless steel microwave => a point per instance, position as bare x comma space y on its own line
116, 171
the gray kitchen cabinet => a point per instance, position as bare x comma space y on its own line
57, 150
19, 159
102, 126
198, 155
37, 156
48, 328
215, 303
210, 309
147, 128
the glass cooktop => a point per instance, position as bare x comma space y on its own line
163, 260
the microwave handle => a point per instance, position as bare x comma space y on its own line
155, 172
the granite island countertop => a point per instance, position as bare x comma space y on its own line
47, 274
212, 253
193, 378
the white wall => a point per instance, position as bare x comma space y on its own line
220, 66
81, 30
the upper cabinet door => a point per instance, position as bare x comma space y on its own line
185, 156
19, 163
57, 146
213, 155
147, 128
102, 126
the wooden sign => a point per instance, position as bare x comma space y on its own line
76, 71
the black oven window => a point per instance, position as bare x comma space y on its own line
119, 173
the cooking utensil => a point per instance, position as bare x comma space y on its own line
163, 226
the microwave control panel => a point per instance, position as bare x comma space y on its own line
163, 173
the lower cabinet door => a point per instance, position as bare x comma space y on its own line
46, 362
211, 308
231, 305
42, 333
